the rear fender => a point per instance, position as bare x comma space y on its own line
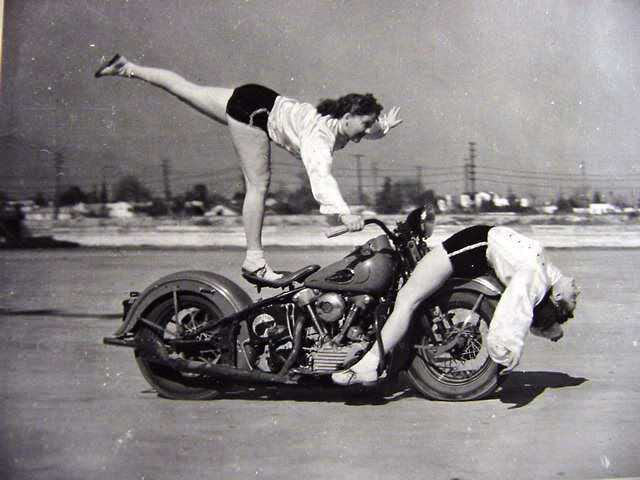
488, 285
227, 295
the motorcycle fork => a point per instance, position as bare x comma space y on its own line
433, 353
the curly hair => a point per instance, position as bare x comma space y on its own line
354, 103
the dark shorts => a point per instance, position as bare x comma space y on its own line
251, 104
467, 250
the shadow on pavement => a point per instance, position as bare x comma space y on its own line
518, 389
321, 392
44, 312
521, 388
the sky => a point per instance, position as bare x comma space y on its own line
549, 91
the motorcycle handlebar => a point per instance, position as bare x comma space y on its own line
342, 229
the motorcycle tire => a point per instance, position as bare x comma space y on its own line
433, 381
168, 382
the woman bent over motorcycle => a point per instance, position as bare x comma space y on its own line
256, 115
537, 296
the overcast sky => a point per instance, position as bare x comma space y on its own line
539, 86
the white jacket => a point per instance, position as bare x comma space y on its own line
300, 129
520, 263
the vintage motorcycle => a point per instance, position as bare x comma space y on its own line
196, 332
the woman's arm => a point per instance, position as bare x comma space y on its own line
317, 159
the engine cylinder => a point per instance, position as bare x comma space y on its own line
330, 307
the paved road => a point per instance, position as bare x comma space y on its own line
75, 409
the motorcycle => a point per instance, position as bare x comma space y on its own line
194, 333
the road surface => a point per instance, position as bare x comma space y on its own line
73, 408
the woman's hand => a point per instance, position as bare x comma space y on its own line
354, 223
392, 117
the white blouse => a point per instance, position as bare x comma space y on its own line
301, 130
520, 263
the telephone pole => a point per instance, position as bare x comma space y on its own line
472, 167
58, 164
166, 170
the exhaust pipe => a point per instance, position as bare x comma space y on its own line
154, 351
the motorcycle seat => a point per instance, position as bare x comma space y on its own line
286, 280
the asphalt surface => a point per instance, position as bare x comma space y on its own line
73, 408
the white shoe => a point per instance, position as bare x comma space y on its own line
264, 272
355, 377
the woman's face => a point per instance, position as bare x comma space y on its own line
355, 126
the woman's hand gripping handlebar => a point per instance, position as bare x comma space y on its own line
342, 229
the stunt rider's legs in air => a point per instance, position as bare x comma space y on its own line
257, 115
537, 298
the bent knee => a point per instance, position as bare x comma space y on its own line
258, 184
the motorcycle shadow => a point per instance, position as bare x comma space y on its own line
522, 388
324, 392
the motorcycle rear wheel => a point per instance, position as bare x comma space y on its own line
193, 310
465, 372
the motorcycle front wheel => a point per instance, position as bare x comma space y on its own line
451, 361
188, 312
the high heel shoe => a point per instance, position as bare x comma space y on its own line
112, 67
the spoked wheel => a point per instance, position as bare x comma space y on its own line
451, 361
186, 311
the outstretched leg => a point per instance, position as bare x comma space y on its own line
211, 101
429, 275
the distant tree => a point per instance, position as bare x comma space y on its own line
104, 194
177, 205
597, 197
39, 200
129, 189
92, 196
563, 204
409, 191
387, 200
301, 200
512, 199
72, 196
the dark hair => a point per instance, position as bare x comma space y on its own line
546, 313
354, 103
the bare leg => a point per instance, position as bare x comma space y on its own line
429, 275
211, 101
253, 148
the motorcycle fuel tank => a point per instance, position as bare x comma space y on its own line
370, 268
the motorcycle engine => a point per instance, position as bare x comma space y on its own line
330, 307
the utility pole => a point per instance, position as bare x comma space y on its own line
466, 175
166, 170
358, 157
58, 163
583, 170
472, 167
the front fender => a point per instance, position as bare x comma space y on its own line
227, 295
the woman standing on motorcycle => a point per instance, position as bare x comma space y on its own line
532, 282
257, 115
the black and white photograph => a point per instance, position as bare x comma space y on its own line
350, 239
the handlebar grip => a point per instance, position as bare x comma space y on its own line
335, 231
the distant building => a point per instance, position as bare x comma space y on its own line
603, 208
120, 210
